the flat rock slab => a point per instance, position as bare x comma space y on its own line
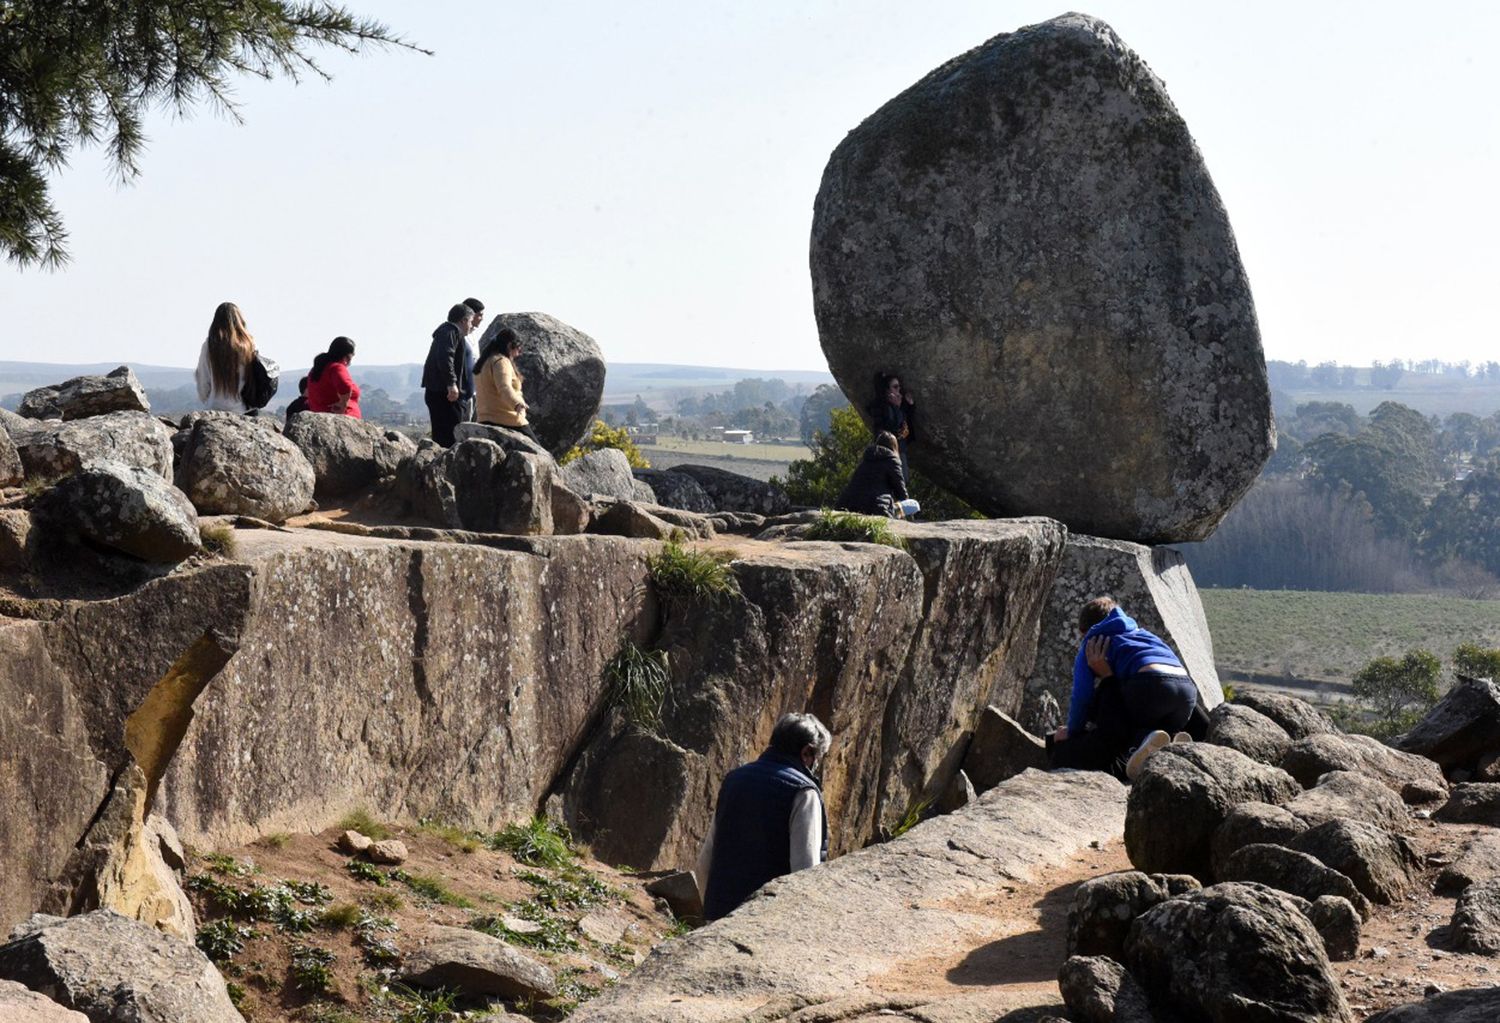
871, 910
1028, 214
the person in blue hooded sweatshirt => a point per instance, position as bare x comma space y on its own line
1131, 695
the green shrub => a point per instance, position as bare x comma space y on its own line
601, 436
576, 889
847, 527
310, 968
819, 480
426, 1006
221, 940
1473, 659
362, 871
554, 935
361, 820
537, 843
636, 681
309, 893
681, 574
1398, 692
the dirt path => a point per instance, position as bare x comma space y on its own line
1014, 940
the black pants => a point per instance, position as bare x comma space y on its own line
445, 416
1124, 712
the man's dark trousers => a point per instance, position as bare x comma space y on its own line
445, 416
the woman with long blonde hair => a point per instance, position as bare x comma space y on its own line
225, 360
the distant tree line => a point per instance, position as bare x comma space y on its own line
1330, 376
1394, 501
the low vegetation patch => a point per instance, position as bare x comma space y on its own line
552, 935
459, 838
682, 574
636, 681
221, 940
311, 968
361, 820
537, 843
848, 527
219, 540
431, 888
574, 889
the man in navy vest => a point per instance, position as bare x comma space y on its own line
769, 820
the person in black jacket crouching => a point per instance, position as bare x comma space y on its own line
878, 486
769, 820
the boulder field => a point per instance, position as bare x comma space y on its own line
316, 672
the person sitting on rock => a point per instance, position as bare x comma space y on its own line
497, 384
769, 819
224, 360
330, 388
299, 403
893, 409
444, 371
1142, 698
878, 486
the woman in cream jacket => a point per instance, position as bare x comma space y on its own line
497, 384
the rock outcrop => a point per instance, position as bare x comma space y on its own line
1414, 778
1194, 786
1298, 718
732, 492
228, 698
111, 968
1154, 587
1475, 802
347, 455
19, 1004
1476, 918
1249, 731
676, 490
81, 397
1293, 872
1481, 1005
1032, 204
1350, 796
477, 965
1463, 727
231, 465
50, 449
605, 472
1001, 749
564, 376
11, 469
1254, 956
1104, 907
908, 673
125, 509
877, 906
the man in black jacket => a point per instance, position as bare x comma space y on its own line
444, 371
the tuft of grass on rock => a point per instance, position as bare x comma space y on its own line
848, 527
636, 682
219, 540
537, 843
362, 821
682, 574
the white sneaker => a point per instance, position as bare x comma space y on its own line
1153, 742
1182, 737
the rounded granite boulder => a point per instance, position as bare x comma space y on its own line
1029, 238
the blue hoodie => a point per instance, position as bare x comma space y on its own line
1130, 649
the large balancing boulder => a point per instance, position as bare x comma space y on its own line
563, 369
1029, 234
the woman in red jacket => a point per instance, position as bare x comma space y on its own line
330, 388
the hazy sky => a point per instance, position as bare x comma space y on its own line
646, 172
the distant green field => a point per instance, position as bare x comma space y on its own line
1332, 635
718, 449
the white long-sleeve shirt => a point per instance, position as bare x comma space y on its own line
212, 399
807, 837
